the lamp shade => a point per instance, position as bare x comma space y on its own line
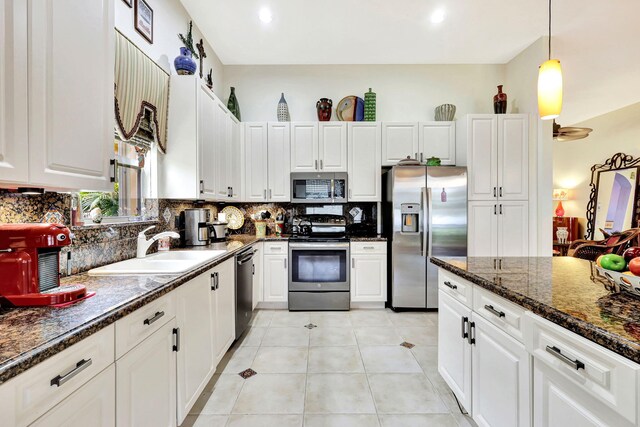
550, 89
560, 194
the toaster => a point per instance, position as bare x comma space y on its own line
30, 266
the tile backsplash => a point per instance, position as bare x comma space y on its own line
96, 245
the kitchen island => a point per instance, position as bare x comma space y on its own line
538, 341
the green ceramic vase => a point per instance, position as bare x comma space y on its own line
232, 104
370, 106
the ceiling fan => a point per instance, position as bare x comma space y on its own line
564, 134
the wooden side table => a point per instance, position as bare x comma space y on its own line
562, 248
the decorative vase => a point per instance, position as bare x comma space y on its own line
562, 234
283, 110
445, 112
184, 63
559, 210
370, 106
500, 101
324, 109
232, 103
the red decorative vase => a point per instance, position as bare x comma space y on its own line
559, 210
500, 101
324, 109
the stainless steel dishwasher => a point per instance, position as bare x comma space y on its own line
244, 290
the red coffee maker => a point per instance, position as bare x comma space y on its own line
30, 264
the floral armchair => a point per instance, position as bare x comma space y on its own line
615, 243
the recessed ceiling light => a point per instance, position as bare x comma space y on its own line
437, 16
265, 15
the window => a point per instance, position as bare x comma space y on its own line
132, 184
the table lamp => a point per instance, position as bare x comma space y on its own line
560, 194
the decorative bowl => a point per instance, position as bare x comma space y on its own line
622, 282
445, 112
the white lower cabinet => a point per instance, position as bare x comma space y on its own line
454, 351
500, 369
368, 272
196, 359
146, 382
257, 274
276, 272
224, 313
94, 404
488, 370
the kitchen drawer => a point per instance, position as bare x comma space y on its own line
457, 287
606, 376
497, 310
29, 395
135, 327
368, 248
275, 248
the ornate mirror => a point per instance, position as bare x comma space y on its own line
614, 203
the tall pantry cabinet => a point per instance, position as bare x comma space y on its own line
498, 162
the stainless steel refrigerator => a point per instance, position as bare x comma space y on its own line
424, 215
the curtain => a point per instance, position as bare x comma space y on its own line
139, 83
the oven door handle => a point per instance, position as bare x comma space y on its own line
319, 245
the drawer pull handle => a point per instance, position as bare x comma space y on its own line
153, 318
493, 311
575, 364
450, 285
368, 247
80, 366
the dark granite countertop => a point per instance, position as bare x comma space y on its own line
368, 239
563, 290
30, 335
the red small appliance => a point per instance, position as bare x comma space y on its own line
30, 266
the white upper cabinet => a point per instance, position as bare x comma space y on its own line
438, 139
14, 143
482, 157
222, 152
236, 158
255, 154
498, 156
513, 157
364, 141
513, 228
304, 147
206, 149
279, 166
318, 147
70, 70
399, 141
333, 147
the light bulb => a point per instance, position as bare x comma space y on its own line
265, 15
437, 16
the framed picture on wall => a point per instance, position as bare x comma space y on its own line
128, 2
143, 17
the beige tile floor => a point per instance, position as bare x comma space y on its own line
349, 371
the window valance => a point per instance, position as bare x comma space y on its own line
139, 84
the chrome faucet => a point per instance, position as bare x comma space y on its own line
144, 244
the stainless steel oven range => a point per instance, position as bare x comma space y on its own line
319, 264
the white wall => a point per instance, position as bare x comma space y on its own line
169, 19
404, 92
614, 132
522, 80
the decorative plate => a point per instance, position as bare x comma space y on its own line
350, 109
235, 217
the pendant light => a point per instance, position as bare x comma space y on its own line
550, 84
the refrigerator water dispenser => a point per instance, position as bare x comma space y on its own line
410, 217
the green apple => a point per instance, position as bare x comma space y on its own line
613, 262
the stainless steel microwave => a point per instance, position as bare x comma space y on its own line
319, 188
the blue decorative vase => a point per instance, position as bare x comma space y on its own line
184, 63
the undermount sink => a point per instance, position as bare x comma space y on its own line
172, 262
